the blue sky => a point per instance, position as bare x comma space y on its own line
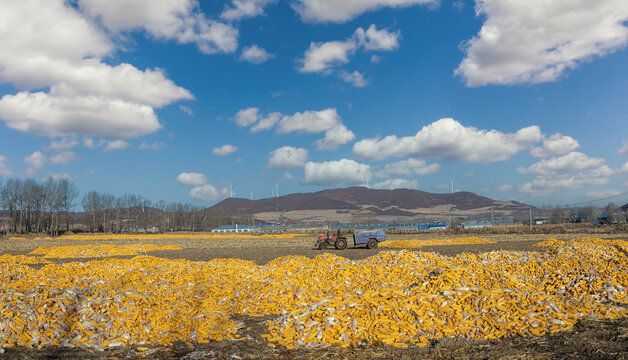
185, 100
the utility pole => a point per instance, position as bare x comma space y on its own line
492, 217
530, 219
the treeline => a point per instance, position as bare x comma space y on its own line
38, 207
46, 207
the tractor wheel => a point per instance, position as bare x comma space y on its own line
371, 244
341, 243
322, 245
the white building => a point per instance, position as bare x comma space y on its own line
237, 228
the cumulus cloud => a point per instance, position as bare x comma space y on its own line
410, 167
241, 9
447, 138
321, 57
255, 55
209, 192
64, 157
392, 184
4, 167
624, 149
191, 179
287, 157
266, 123
623, 169
50, 44
334, 137
555, 145
63, 144
536, 41
152, 146
224, 150
34, 162
603, 194
309, 121
505, 188
572, 171
571, 162
287, 176
89, 143
336, 173
116, 145
355, 78
179, 20
247, 117
345, 10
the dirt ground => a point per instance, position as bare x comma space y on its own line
589, 339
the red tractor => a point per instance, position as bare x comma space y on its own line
337, 241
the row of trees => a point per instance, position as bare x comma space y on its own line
46, 207
38, 207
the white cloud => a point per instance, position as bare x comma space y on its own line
469, 174
287, 157
355, 78
345, 10
336, 173
309, 121
247, 117
320, 57
555, 145
116, 145
409, 167
255, 55
624, 185
50, 44
179, 20
623, 169
334, 137
4, 167
569, 163
240, 9
535, 41
572, 171
447, 138
442, 186
505, 188
152, 146
375, 59
64, 157
392, 184
186, 109
287, 176
44, 114
63, 144
89, 143
191, 179
224, 150
624, 149
603, 194
267, 123
209, 192
34, 162
378, 40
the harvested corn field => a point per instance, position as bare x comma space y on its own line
94, 251
394, 299
410, 244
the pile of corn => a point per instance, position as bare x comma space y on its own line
400, 298
582, 241
22, 259
407, 244
172, 236
92, 251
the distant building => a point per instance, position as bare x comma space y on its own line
237, 228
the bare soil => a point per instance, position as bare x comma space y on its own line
589, 339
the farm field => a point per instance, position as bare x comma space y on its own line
518, 274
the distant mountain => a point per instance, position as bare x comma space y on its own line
360, 200
624, 208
